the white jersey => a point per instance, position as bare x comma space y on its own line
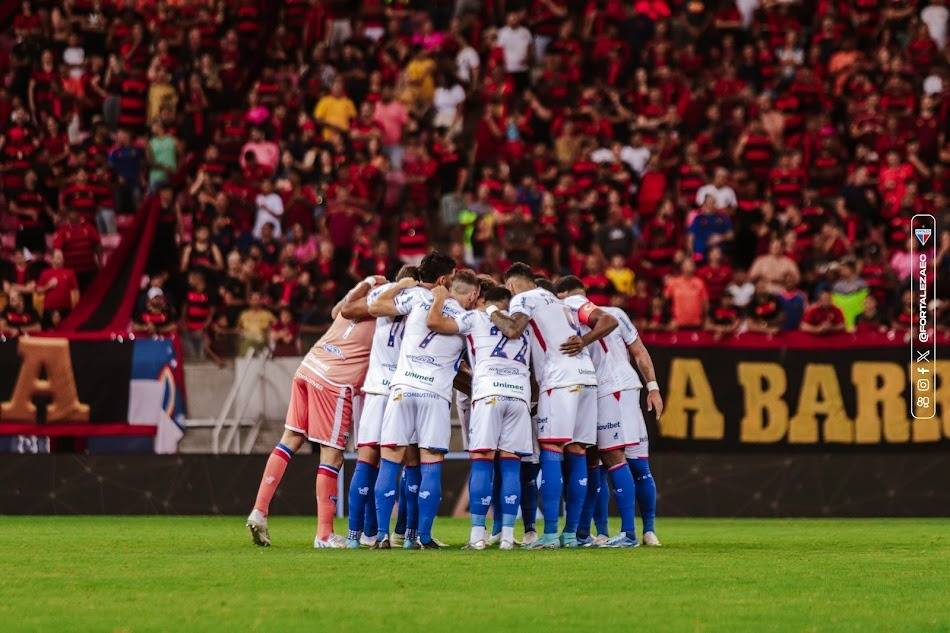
610, 355
427, 360
552, 323
499, 365
387, 339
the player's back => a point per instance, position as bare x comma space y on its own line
387, 340
552, 322
500, 365
428, 360
341, 356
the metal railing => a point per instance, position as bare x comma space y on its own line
247, 375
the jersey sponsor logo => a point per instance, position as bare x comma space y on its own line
607, 426
329, 348
419, 394
586, 372
422, 358
424, 494
504, 371
364, 490
389, 493
507, 385
412, 374
413, 488
582, 482
486, 501
511, 499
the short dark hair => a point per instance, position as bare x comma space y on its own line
569, 283
485, 284
544, 282
412, 272
466, 277
497, 294
435, 265
519, 269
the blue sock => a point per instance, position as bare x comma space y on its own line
386, 483
551, 488
625, 493
529, 494
601, 509
496, 498
590, 502
479, 490
646, 491
510, 491
401, 510
369, 515
430, 495
361, 491
576, 490
413, 478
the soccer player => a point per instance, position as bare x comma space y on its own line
500, 419
383, 357
420, 398
321, 410
620, 425
567, 404
434, 269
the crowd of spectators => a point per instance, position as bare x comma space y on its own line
748, 165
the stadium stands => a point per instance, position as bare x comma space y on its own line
706, 166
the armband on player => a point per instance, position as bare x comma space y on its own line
490, 310
370, 281
653, 386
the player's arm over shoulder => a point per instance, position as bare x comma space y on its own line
513, 323
394, 299
600, 322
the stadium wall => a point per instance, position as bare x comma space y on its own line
708, 485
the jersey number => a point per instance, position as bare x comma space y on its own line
571, 321
428, 339
394, 330
499, 351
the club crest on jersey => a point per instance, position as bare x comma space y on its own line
363, 491
329, 348
511, 499
413, 488
923, 235
424, 494
486, 501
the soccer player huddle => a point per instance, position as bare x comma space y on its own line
544, 387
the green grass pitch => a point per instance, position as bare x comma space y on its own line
203, 574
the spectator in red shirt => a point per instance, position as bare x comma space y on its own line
158, 317
80, 243
58, 285
823, 317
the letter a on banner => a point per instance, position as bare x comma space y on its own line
50, 356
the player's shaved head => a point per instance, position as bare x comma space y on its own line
543, 282
435, 265
465, 280
569, 285
465, 288
407, 271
